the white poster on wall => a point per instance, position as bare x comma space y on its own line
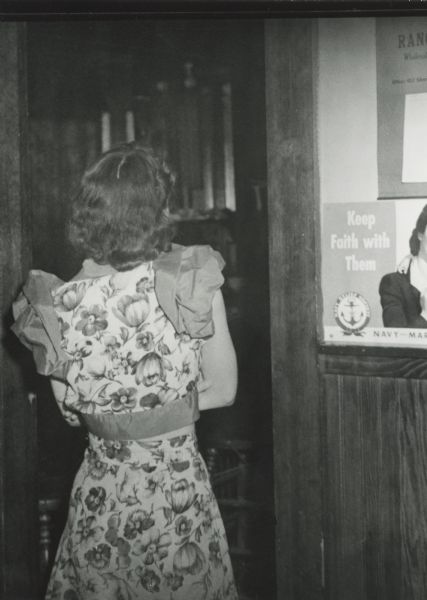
401, 48
414, 168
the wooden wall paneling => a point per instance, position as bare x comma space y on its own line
376, 515
371, 449
18, 507
413, 485
379, 520
344, 534
292, 213
388, 520
374, 362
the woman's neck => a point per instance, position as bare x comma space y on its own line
418, 272
90, 270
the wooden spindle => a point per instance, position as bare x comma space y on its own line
45, 537
211, 459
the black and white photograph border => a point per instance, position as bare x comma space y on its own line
316, 463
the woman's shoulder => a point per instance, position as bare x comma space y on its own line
185, 264
39, 286
36, 296
92, 270
187, 278
201, 255
195, 257
36, 323
395, 279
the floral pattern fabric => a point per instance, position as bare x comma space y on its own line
143, 524
125, 354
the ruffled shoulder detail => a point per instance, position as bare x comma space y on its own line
37, 325
186, 281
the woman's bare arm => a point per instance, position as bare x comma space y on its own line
61, 390
219, 365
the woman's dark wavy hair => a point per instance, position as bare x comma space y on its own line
420, 227
120, 212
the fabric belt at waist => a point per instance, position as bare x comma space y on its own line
142, 424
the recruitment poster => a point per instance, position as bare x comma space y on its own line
401, 51
363, 243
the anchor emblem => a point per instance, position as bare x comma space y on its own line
352, 313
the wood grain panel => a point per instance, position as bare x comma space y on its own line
344, 530
18, 549
289, 77
413, 484
371, 446
386, 514
374, 365
375, 487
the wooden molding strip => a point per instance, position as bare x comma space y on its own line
372, 365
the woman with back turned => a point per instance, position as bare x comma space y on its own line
135, 345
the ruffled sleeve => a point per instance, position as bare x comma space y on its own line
186, 281
37, 325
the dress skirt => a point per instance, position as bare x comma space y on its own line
143, 523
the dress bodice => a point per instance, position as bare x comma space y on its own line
126, 343
125, 354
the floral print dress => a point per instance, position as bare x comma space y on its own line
143, 522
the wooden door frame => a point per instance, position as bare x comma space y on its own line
291, 46
18, 506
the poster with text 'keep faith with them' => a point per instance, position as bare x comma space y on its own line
362, 243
